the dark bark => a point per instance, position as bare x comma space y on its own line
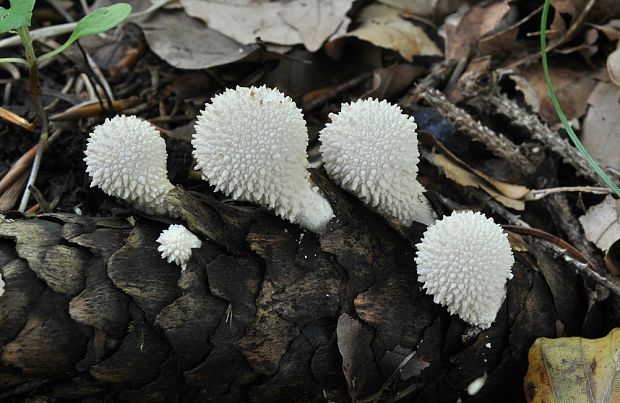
91, 310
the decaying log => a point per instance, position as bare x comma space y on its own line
264, 312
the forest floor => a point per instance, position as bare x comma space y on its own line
490, 140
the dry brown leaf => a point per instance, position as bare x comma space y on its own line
600, 223
309, 22
182, 41
611, 29
478, 21
425, 8
601, 127
504, 42
467, 178
317, 20
509, 195
358, 363
572, 88
387, 82
613, 66
383, 27
574, 369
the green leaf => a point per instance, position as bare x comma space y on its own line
18, 15
98, 21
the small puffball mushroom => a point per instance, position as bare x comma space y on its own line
126, 158
464, 261
250, 143
1, 286
176, 244
370, 148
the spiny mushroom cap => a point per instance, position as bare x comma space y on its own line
176, 244
464, 261
126, 158
370, 148
250, 143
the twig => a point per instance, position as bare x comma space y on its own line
575, 257
35, 92
22, 164
570, 33
14, 118
495, 142
329, 93
570, 253
439, 73
489, 100
537, 194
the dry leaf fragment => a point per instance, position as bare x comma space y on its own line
478, 21
601, 127
310, 22
508, 194
317, 20
358, 364
574, 369
383, 27
182, 41
600, 224
425, 8
613, 66
572, 88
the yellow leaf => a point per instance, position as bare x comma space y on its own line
574, 369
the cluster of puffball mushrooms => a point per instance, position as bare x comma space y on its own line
250, 144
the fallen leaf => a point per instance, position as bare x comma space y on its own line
317, 20
509, 195
611, 29
393, 360
600, 224
383, 26
504, 41
182, 41
388, 82
478, 21
310, 22
572, 87
574, 369
601, 127
425, 8
358, 363
186, 43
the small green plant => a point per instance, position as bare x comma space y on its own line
558, 108
17, 19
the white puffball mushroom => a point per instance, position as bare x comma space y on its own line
176, 244
126, 158
464, 261
370, 148
1, 286
250, 143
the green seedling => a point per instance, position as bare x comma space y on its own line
558, 108
17, 19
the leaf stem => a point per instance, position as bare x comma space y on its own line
558, 107
35, 93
